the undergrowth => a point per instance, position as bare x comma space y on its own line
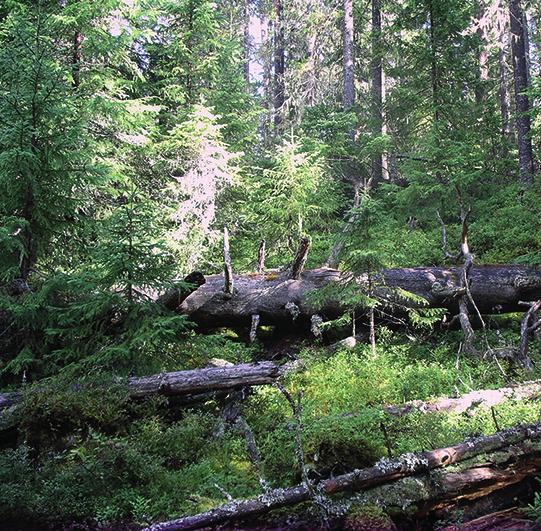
90, 453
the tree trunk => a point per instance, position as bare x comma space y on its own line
503, 88
520, 70
279, 62
511, 456
434, 74
348, 60
480, 91
76, 59
494, 288
377, 89
247, 42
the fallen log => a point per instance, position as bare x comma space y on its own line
521, 440
494, 289
203, 380
469, 401
192, 382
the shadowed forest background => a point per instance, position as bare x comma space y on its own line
328, 212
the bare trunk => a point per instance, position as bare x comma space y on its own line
247, 41
503, 88
279, 63
434, 74
377, 89
301, 256
520, 70
480, 91
228, 269
76, 59
348, 60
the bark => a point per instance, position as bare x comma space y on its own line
480, 91
511, 456
377, 89
173, 298
228, 268
261, 257
279, 63
204, 380
76, 59
348, 59
503, 88
192, 382
530, 323
300, 258
434, 73
469, 401
522, 104
247, 42
494, 288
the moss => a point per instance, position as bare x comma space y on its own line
367, 518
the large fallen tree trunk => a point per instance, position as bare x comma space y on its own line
192, 382
508, 456
279, 299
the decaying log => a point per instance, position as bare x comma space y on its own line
192, 382
203, 380
10, 399
521, 441
173, 298
469, 401
494, 288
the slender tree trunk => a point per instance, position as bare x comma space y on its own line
311, 82
377, 88
247, 41
434, 61
76, 59
279, 62
503, 88
520, 70
480, 91
189, 70
348, 60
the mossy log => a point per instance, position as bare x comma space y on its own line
486, 462
192, 382
494, 288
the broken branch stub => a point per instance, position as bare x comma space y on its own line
228, 269
300, 258
261, 257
